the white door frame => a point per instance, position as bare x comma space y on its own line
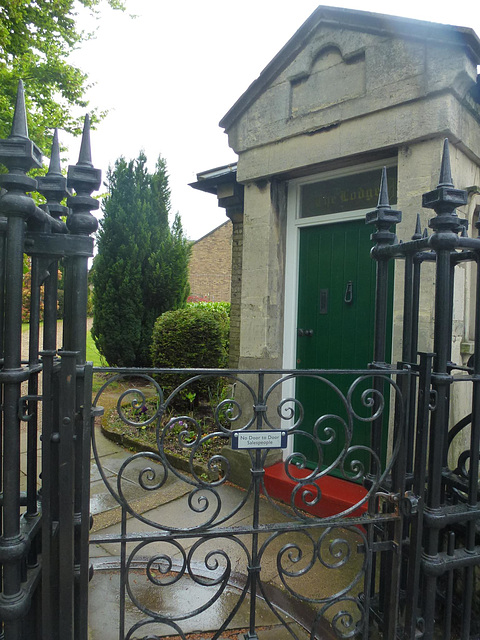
294, 224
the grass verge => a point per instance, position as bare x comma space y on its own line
92, 352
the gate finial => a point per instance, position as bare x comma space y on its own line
84, 178
383, 200
383, 217
445, 199
54, 185
20, 154
418, 229
445, 179
19, 124
85, 156
54, 166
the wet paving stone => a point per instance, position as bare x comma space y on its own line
212, 606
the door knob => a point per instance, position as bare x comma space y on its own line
307, 333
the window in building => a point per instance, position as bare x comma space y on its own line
346, 193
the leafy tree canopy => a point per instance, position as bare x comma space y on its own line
141, 269
36, 38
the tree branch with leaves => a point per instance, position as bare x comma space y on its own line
36, 39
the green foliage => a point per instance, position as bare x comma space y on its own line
36, 38
221, 311
141, 269
193, 337
188, 338
89, 303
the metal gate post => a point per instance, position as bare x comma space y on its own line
19, 155
84, 178
66, 482
420, 466
446, 226
472, 499
53, 187
27, 611
258, 473
384, 217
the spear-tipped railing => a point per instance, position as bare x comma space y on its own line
434, 488
57, 521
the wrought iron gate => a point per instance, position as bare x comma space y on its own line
399, 561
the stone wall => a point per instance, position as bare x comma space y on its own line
263, 275
210, 266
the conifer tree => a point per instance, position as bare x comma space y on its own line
141, 268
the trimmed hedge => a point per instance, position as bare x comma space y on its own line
194, 337
221, 311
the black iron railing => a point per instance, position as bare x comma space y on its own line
44, 542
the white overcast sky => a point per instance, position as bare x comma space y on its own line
169, 75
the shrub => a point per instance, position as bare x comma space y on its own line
193, 337
221, 311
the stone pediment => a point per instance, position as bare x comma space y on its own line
345, 64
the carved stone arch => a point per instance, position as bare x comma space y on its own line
329, 77
325, 53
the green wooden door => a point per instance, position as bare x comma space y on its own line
335, 325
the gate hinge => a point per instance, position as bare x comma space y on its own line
22, 407
409, 504
95, 411
380, 545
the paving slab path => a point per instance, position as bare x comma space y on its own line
171, 506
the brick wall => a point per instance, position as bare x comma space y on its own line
210, 269
235, 309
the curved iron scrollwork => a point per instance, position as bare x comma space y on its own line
457, 476
352, 461
225, 533
310, 560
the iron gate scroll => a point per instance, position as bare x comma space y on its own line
215, 535
399, 560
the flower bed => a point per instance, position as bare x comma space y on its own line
189, 442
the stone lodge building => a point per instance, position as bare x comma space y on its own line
349, 93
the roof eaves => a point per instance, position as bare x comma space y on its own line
209, 180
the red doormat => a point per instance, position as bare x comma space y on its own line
336, 495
